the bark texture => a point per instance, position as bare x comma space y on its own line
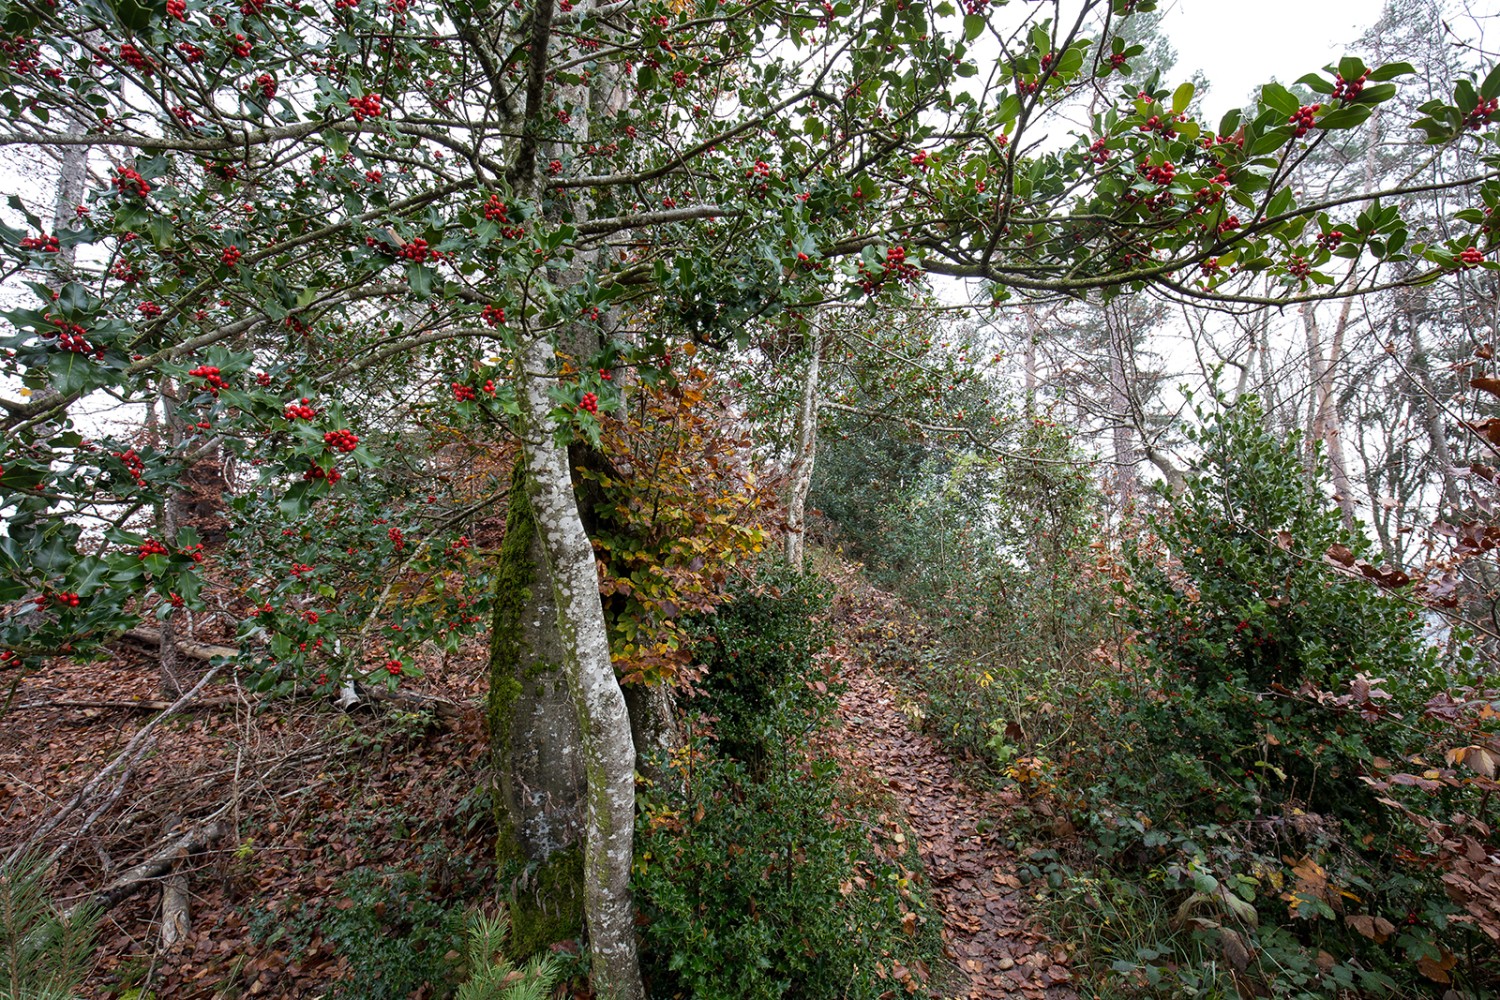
608, 750
806, 448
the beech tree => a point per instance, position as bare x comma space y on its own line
327, 224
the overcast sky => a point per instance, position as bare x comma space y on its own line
1240, 46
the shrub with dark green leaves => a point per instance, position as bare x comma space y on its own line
761, 885
1229, 787
755, 878
766, 636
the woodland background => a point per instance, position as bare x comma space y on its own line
743, 500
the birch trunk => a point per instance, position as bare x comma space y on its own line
806, 448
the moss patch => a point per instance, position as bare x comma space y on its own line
513, 582
547, 906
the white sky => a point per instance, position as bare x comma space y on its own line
1238, 47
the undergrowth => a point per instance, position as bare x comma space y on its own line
757, 875
1247, 770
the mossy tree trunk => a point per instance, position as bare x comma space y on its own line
608, 751
533, 727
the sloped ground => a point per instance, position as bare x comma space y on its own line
304, 794
988, 929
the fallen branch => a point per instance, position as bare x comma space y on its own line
125, 760
202, 651
155, 866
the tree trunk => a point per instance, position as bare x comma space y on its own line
608, 750
1121, 409
806, 447
533, 727
1326, 424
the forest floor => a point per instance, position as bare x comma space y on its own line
990, 931
305, 796
301, 794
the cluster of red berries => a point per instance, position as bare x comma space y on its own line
190, 52
311, 617
1099, 151
1229, 225
1480, 116
126, 272
129, 181
212, 380
396, 539
195, 551
316, 472
489, 387
177, 9
150, 310
1303, 118
135, 59
590, 402
554, 167
895, 266
1330, 240
1348, 90
64, 598
1157, 124
300, 410
462, 393
418, 250
760, 172
44, 243
393, 667
495, 210
299, 568
9, 658
267, 84
365, 107
231, 256
72, 338
151, 547
1471, 258
374, 176
493, 316
134, 467
344, 440
241, 46
1161, 174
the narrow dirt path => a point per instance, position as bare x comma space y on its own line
987, 931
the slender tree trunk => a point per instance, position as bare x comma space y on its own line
172, 681
1120, 408
1326, 424
605, 746
1432, 414
806, 445
1033, 334
608, 750
72, 178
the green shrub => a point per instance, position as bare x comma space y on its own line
1229, 787
759, 888
755, 879
767, 635
493, 976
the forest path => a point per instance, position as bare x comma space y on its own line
988, 930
